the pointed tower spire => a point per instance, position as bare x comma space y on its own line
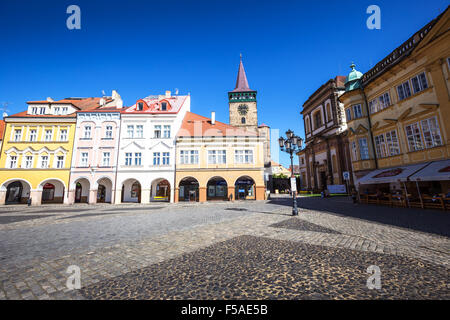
241, 81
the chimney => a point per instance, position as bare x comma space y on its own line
50, 99
213, 118
168, 94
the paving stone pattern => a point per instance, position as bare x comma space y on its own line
323, 256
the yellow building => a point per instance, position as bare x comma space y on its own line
398, 114
36, 154
216, 161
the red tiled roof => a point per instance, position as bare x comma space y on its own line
24, 114
2, 129
82, 104
195, 125
152, 105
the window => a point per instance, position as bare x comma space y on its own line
384, 101
167, 131
139, 131
189, 157
17, 134
404, 91
33, 135
34, 110
56, 110
140, 106
108, 132
48, 135
363, 149
419, 82
357, 111
42, 110
157, 132
413, 136
386, 145
243, 120
44, 162
12, 162
137, 158
65, 110
128, 158
392, 143
156, 158
431, 133
87, 132
329, 115
217, 157
84, 159
243, 156
130, 131
380, 146
373, 106
348, 114
63, 135
28, 162
106, 159
163, 106
165, 158
317, 120
59, 162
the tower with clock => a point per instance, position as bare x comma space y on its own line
242, 102
244, 111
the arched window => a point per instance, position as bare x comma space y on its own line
243, 120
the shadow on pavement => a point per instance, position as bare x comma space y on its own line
430, 221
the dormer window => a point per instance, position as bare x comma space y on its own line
163, 106
140, 106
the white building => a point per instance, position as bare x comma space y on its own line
146, 166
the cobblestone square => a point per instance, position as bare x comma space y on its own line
224, 250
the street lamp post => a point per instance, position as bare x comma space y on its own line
291, 145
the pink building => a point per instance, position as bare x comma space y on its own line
94, 161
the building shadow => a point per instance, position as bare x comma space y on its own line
429, 221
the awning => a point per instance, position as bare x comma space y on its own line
390, 175
436, 171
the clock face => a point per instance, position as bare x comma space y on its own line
243, 109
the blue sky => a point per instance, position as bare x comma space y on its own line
290, 49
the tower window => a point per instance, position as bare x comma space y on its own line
243, 120
140, 106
